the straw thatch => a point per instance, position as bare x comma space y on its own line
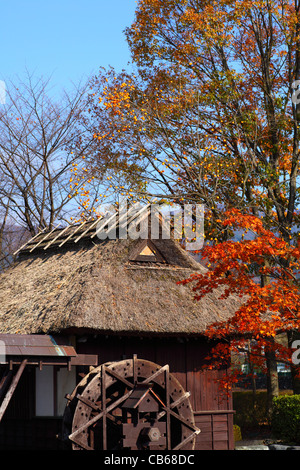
94, 285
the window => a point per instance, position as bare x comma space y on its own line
51, 385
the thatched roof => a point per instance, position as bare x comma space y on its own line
103, 286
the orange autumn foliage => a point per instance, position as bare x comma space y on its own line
207, 117
238, 267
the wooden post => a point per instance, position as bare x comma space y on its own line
12, 388
103, 393
168, 418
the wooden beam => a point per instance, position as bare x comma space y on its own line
168, 431
152, 377
88, 229
74, 231
94, 407
186, 440
44, 238
29, 241
118, 377
57, 236
73, 437
5, 381
103, 399
12, 388
175, 404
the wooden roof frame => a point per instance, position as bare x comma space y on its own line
88, 229
39, 350
33, 350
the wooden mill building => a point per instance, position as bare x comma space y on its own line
73, 302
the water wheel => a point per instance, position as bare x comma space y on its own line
130, 404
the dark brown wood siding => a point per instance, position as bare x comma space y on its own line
213, 410
216, 430
185, 358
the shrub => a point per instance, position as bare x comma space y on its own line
285, 420
247, 413
237, 433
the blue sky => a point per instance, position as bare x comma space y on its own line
66, 39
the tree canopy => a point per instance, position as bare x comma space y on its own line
210, 115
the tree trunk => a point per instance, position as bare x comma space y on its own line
293, 336
253, 382
272, 380
271, 363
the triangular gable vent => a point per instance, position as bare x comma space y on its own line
146, 251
